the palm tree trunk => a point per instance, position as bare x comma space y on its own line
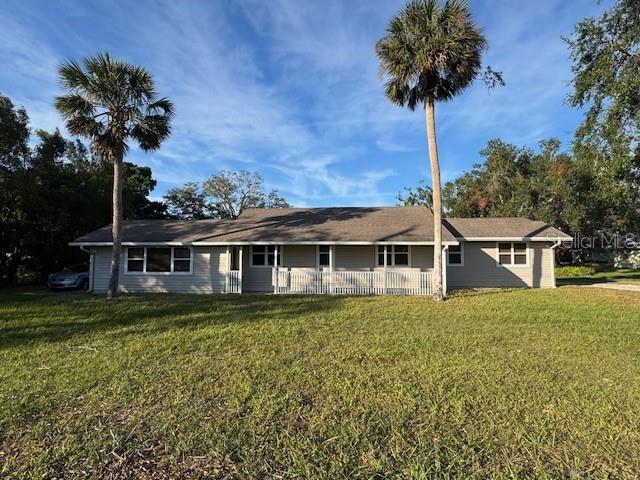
430, 117
116, 229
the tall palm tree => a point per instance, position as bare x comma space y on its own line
111, 102
432, 51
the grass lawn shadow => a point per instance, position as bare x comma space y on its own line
137, 313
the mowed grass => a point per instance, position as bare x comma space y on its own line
511, 384
626, 276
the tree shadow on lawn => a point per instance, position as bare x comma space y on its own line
605, 278
456, 293
81, 315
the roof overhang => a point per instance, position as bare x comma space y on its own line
516, 239
222, 244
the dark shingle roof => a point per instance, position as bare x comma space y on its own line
335, 224
502, 227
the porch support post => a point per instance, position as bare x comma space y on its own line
332, 257
384, 287
92, 259
226, 275
445, 252
275, 269
240, 270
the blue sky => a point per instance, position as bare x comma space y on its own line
291, 89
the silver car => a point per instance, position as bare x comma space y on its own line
76, 276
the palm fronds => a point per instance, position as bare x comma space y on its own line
431, 51
109, 101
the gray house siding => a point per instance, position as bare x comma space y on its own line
480, 269
355, 257
209, 267
422, 257
347, 257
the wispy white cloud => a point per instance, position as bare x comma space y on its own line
291, 88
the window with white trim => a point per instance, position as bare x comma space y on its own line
264, 255
397, 255
158, 260
324, 257
181, 259
513, 253
135, 259
455, 255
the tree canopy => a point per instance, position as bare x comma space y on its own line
111, 102
53, 190
431, 51
224, 195
578, 191
605, 54
421, 195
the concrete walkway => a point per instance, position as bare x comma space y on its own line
616, 286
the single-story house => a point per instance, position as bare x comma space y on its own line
377, 250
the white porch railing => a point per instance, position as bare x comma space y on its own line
232, 282
352, 282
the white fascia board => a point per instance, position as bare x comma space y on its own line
128, 244
211, 244
515, 239
448, 242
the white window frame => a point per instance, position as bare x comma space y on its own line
461, 264
512, 264
144, 264
280, 258
391, 250
318, 247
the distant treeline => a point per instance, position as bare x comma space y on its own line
584, 192
53, 190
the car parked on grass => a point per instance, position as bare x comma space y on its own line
76, 276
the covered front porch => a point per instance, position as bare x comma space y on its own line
339, 269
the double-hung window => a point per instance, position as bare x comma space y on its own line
324, 257
181, 259
397, 255
135, 259
513, 253
158, 260
264, 255
455, 255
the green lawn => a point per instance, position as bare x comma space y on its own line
528, 383
627, 276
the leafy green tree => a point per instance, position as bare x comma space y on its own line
273, 199
230, 193
605, 53
111, 102
422, 195
543, 184
14, 155
187, 202
224, 195
14, 135
53, 192
430, 54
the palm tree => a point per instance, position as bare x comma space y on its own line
111, 102
430, 54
